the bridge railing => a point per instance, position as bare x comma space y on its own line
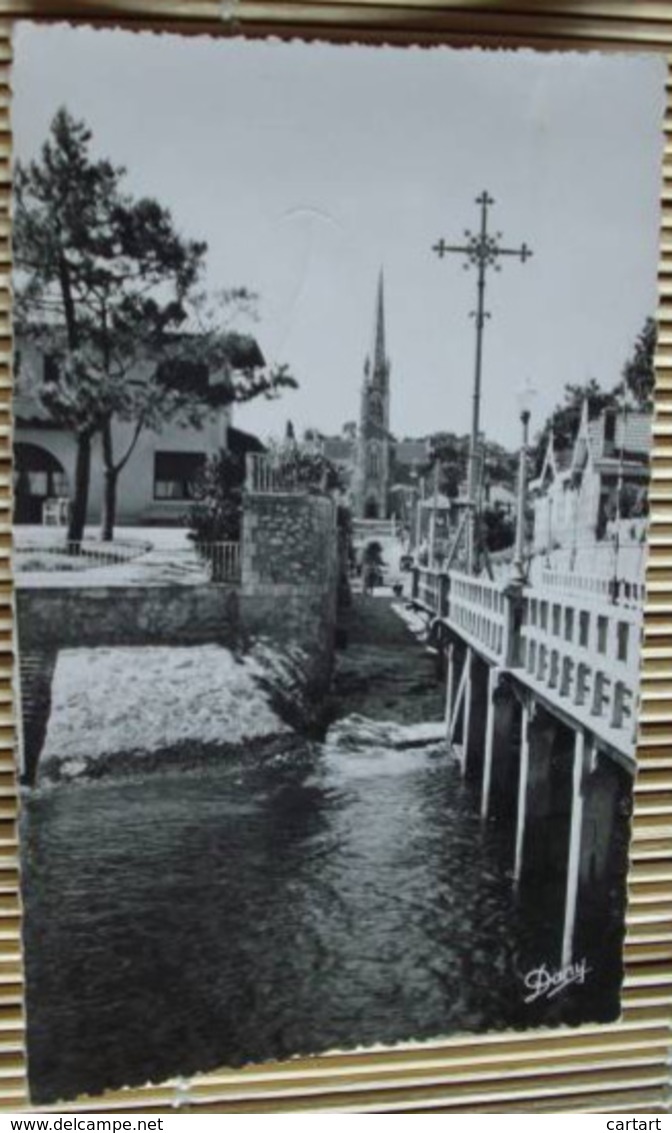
582, 652
579, 649
479, 607
620, 591
428, 590
475, 606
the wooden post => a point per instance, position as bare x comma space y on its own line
522, 792
574, 852
493, 675
468, 658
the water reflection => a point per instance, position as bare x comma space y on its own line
323, 896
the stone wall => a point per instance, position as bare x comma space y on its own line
55, 617
288, 595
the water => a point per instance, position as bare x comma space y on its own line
321, 896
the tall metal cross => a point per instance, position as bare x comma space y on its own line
483, 250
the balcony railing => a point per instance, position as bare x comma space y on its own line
268, 474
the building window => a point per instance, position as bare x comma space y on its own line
175, 474
185, 375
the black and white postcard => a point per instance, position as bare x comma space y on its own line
332, 418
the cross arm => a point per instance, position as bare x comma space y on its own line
523, 252
441, 248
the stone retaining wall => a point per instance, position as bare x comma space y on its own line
126, 615
290, 572
288, 595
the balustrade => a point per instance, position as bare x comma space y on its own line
578, 649
267, 474
480, 608
620, 591
582, 653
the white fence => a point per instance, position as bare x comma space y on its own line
429, 589
84, 555
221, 559
132, 563
478, 607
583, 655
268, 474
577, 649
619, 591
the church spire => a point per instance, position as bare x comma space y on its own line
379, 364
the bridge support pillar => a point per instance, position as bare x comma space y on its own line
450, 687
523, 783
479, 709
583, 751
544, 838
466, 726
491, 712
603, 863
458, 696
503, 750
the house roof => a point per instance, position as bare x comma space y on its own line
242, 350
630, 440
632, 434
239, 441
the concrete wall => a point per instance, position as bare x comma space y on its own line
59, 618
289, 595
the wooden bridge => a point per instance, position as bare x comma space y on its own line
541, 695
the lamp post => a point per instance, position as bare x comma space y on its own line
435, 501
524, 400
619, 495
418, 514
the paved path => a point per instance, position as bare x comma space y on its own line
385, 672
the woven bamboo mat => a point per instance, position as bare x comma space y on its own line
622, 1067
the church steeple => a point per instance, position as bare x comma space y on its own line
379, 364
373, 441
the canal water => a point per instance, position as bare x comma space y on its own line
315, 896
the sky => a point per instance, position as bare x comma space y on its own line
308, 167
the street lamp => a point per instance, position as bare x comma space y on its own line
524, 399
619, 493
435, 500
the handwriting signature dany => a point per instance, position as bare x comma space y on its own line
545, 983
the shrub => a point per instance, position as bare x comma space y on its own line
216, 513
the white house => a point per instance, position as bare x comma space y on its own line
575, 494
156, 483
